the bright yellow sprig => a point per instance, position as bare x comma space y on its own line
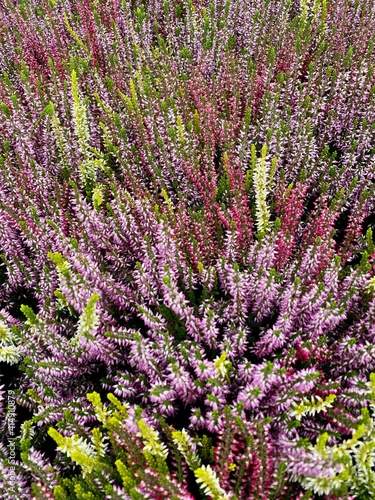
209, 483
90, 165
311, 407
262, 178
76, 448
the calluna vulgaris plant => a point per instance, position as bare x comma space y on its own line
187, 196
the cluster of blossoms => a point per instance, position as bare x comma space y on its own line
186, 211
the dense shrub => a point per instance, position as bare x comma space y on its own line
186, 212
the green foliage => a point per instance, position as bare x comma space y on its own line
90, 165
114, 456
209, 483
350, 462
9, 349
315, 405
262, 174
88, 320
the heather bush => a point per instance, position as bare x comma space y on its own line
187, 306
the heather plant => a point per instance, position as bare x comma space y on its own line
146, 466
186, 207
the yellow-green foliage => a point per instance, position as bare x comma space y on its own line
9, 351
262, 179
353, 459
154, 450
88, 320
92, 456
209, 483
222, 366
80, 118
309, 407
90, 165
97, 196
126, 474
130, 461
184, 444
77, 449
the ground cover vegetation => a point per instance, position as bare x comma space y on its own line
187, 301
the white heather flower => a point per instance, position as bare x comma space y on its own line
10, 354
